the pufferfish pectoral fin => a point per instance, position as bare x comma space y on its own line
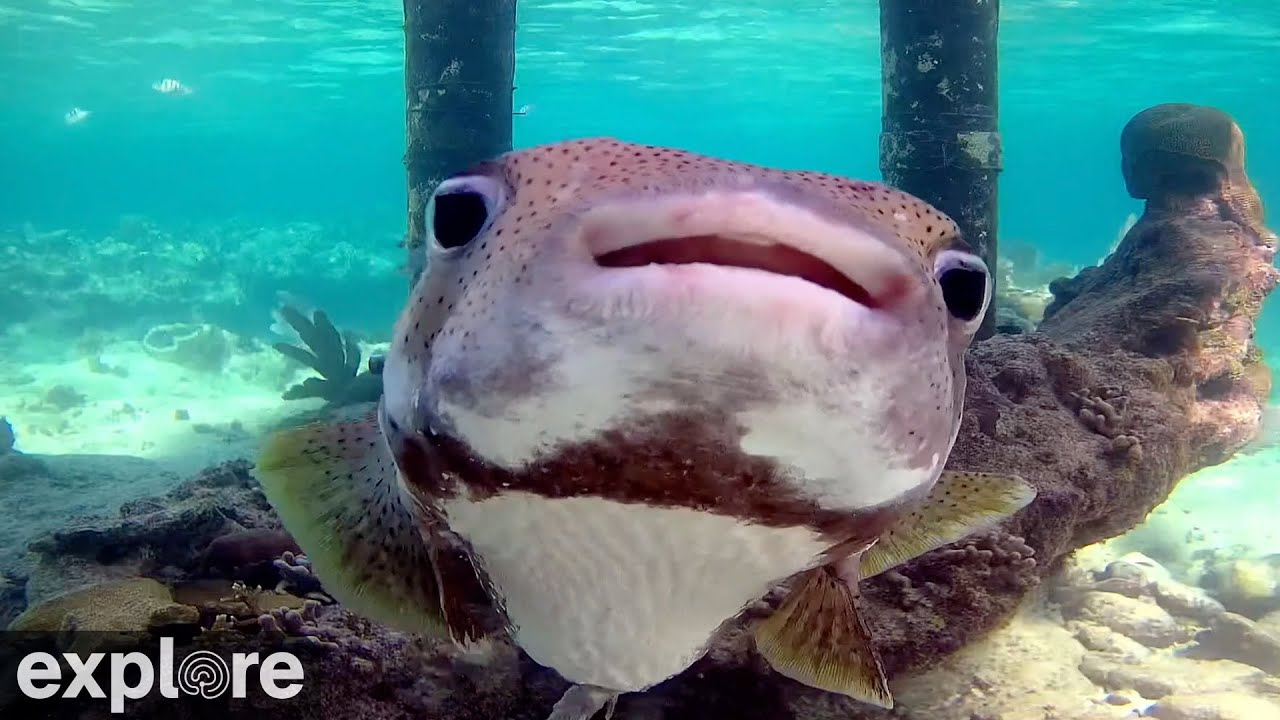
339, 494
960, 504
818, 637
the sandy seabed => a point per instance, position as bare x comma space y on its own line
123, 401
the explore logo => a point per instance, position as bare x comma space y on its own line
201, 673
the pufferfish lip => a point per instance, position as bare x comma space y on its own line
749, 229
730, 252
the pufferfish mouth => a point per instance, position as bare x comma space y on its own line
751, 230
729, 252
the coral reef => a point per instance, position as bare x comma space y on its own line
1184, 286
237, 605
131, 277
1187, 404
1104, 637
1022, 287
131, 605
1142, 372
196, 346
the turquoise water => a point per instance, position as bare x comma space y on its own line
281, 172
296, 115
298, 110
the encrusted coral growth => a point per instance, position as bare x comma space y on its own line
296, 577
1188, 280
278, 616
288, 623
1102, 410
993, 550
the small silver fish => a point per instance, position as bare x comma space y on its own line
280, 327
169, 86
76, 115
636, 389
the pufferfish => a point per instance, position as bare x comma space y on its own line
636, 389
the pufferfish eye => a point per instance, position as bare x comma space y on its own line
462, 208
966, 286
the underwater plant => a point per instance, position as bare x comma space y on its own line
335, 355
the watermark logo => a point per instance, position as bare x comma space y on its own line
200, 674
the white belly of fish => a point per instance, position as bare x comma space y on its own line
622, 596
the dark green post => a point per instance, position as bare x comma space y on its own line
940, 138
459, 61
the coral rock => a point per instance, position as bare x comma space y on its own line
1100, 638
164, 532
1187, 601
1246, 586
1139, 620
1218, 706
246, 548
1233, 637
134, 605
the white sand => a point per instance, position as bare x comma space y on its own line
140, 414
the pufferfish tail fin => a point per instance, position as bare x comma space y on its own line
819, 637
338, 492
